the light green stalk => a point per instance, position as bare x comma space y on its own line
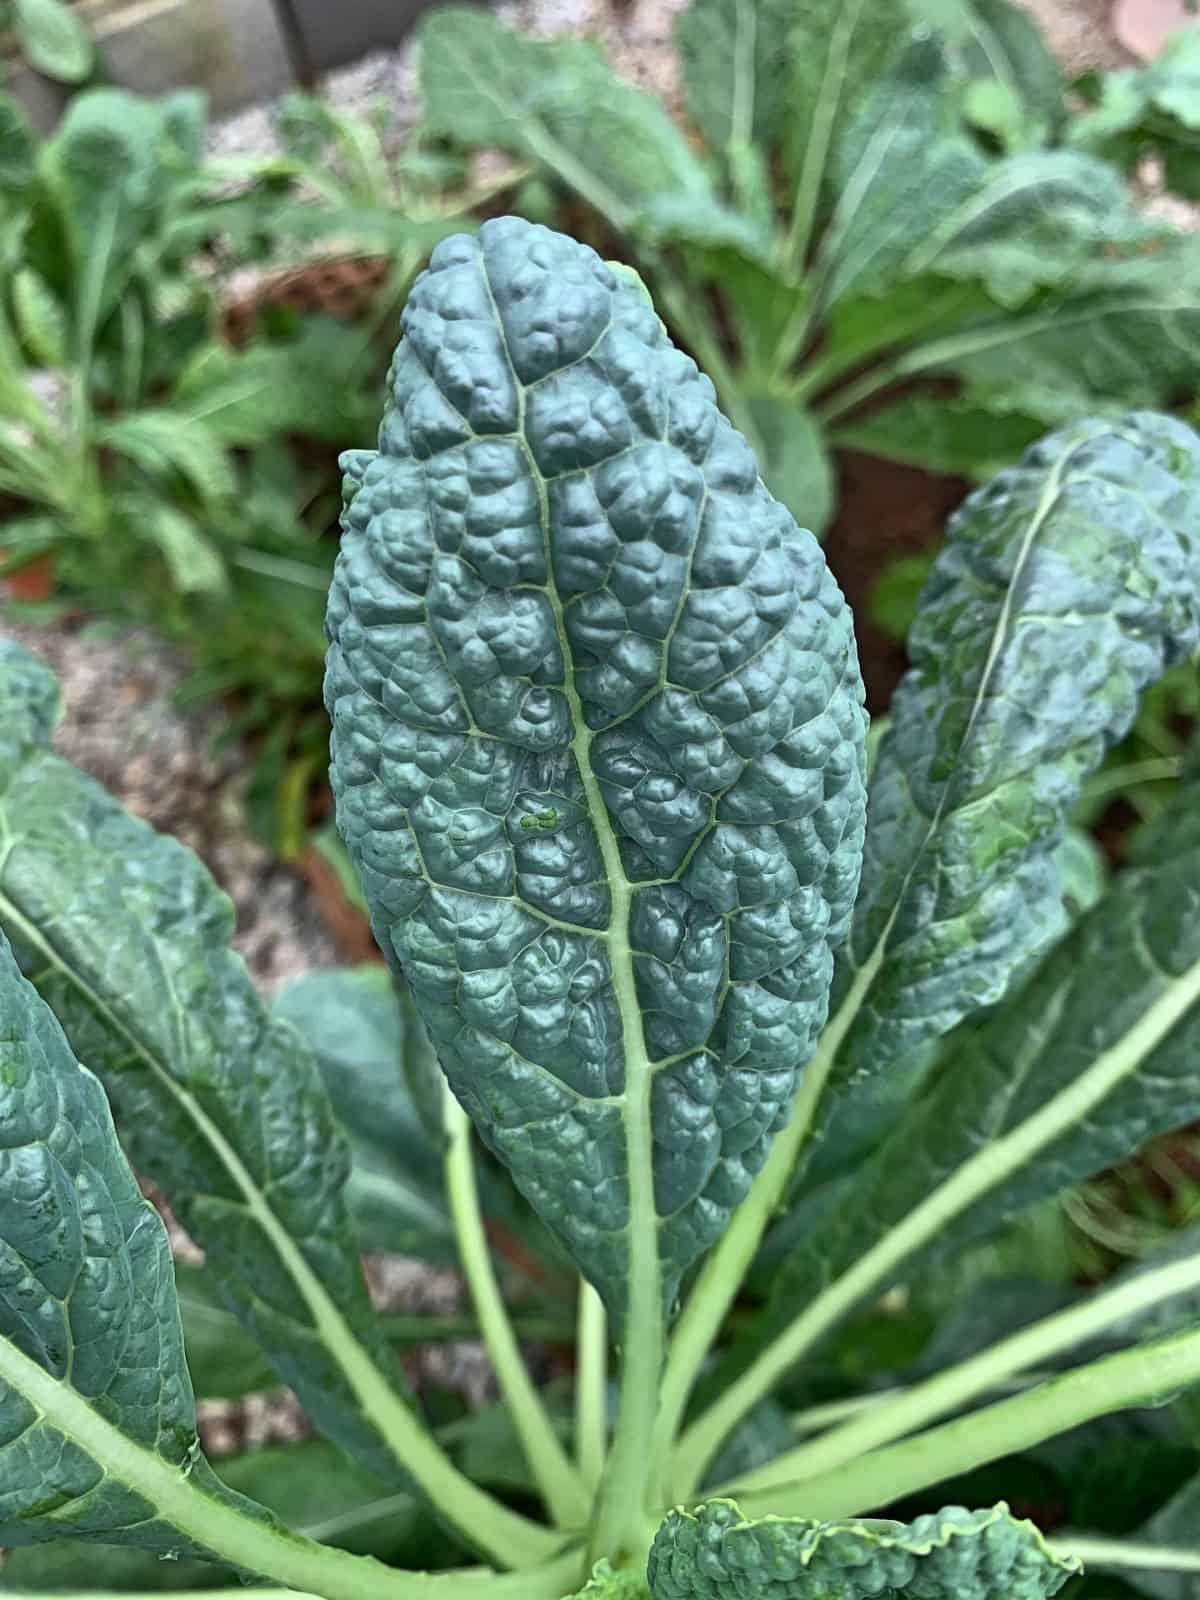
1141, 1376
560, 1485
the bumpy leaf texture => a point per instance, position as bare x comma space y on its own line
1065, 587
1136, 950
127, 938
712, 1553
87, 1295
598, 743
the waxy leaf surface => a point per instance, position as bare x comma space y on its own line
597, 746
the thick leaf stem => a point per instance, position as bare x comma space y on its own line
994, 1163
924, 1402
210, 1521
560, 1485
505, 1536
591, 1386
1125, 1554
1144, 1375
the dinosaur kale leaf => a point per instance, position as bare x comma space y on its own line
598, 747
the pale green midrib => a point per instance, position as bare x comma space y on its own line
926, 1402
982, 1172
741, 111
816, 150
997, 332
199, 1516
559, 1483
1137, 1377
967, 212
505, 1535
642, 1333
1128, 1553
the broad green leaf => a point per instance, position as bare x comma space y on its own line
163, 443
310, 1486
901, 164
103, 170
579, 712
1154, 109
713, 1553
223, 1108
195, 565
185, 120
17, 148
793, 458
941, 435
917, 196
310, 384
703, 225
224, 1361
1128, 333
737, 58
39, 319
993, 42
96, 1409
53, 39
839, 50
761, 1436
1065, 587
353, 1022
1090, 1060
559, 104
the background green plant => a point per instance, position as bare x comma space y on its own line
1007, 1023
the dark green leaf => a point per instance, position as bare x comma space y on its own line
918, 197
53, 39
17, 148
1065, 587
1091, 1059
310, 1486
1127, 334
712, 1553
737, 60
128, 937
559, 871
793, 458
163, 443
103, 170
555, 102
39, 319
945, 436
353, 1022
839, 49
96, 1409
224, 1361
1177, 1524
996, 42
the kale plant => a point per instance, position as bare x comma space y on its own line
886, 225
751, 1043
